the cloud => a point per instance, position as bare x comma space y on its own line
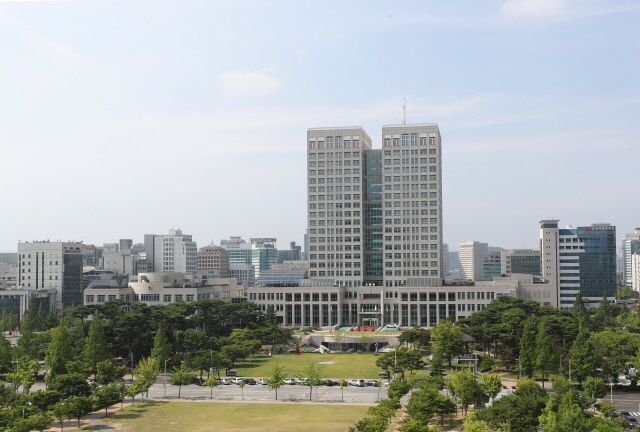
249, 82
533, 8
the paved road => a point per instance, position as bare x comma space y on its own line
260, 392
626, 402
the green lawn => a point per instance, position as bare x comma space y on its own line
237, 417
346, 366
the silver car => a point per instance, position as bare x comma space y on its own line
262, 381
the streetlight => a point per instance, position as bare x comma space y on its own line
164, 378
611, 385
561, 365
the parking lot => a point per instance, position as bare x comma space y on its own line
296, 392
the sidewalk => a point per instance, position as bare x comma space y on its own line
93, 420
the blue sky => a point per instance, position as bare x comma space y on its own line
124, 118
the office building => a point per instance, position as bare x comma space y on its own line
175, 252
635, 271
92, 256
259, 252
305, 254
521, 261
293, 254
52, 265
214, 257
491, 266
8, 258
245, 274
630, 245
471, 255
579, 260
445, 260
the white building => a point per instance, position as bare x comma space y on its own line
635, 271
52, 265
471, 255
525, 261
175, 252
630, 245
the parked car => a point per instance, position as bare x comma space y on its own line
632, 421
351, 350
236, 380
250, 381
357, 382
329, 383
302, 381
225, 381
262, 381
198, 381
290, 381
372, 382
392, 325
625, 414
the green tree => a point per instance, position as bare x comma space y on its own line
417, 336
109, 373
446, 340
26, 343
491, 384
277, 378
366, 341
147, 372
219, 361
61, 413
6, 354
95, 346
584, 359
528, 349
107, 395
59, 351
343, 384
437, 365
564, 416
594, 388
79, 407
312, 377
180, 376
543, 351
135, 389
211, 382
271, 317
70, 385
465, 388
44, 400
161, 349
371, 424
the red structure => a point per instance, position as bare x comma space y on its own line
297, 348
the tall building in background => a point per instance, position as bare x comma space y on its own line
171, 253
374, 216
259, 252
521, 261
445, 260
294, 253
491, 266
579, 260
635, 271
214, 257
630, 245
52, 265
471, 255
305, 253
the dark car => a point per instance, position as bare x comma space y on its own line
329, 383
625, 414
632, 421
372, 382
250, 381
198, 381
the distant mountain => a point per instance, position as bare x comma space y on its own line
496, 249
454, 263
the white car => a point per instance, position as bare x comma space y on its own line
392, 325
291, 381
262, 381
236, 380
225, 381
302, 381
357, 382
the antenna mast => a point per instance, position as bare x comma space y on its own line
403, 112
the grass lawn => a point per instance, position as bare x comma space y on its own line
346, 366
237, 417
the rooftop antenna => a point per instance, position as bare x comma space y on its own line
403, 112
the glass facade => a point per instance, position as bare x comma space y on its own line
72, 288
373, 271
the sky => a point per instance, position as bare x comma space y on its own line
125, 118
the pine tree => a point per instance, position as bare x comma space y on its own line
528, 349
27, 341
160, 349
59, 351
543, 351
95, 347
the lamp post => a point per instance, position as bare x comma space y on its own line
164, 378
611, 385
560, 364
